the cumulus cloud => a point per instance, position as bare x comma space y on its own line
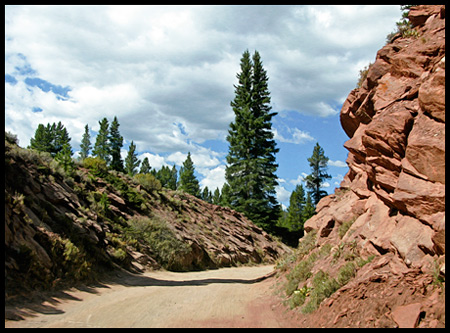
167, 72
299, 179
172, 63
156, 161
213, 178
282, 194
293, 135
337, 163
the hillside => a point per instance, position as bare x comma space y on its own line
64, 227
374, 254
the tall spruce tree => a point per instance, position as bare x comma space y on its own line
145, 166
206, 195
308, 210
188, 182
167, 177
60, 138
251, 167
314, 181
225, 196
295, 216
216, 197
102, 146
51, 138
116, 143
42, 139
85, 143
131, 161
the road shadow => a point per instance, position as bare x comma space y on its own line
31, 303
46, 302
135, 280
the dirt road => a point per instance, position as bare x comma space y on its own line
227, 297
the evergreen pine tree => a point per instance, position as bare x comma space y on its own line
64, 157
85, 143
295, 211
308, 209
172, 183
51, 138
167, 177
216, 197
188, 182
131, 161
116, 143
145, 166
206, 195
60, 138
102, 146
225, 196
42, 139
251, 167
314, 181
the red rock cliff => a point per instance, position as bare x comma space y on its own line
393, 196
396, 125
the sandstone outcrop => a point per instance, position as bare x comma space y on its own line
390, 207
397, 133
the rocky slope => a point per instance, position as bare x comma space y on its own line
376, 247
62, 227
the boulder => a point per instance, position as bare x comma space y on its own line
407, 316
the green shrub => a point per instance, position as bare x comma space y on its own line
323, 287
299, 297
75, 260
404, 26
346, 272
363, 75
148, 181
119, 254
301, 272
96, 165
306, 244
154, 232
11, 138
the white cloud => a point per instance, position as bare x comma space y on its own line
337, 163
296, 136
213, 178
167, 72
156, 161
177, 158
163, 64
282, 194
299, 180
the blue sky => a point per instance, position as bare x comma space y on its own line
167, 73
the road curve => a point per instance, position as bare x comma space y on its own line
226, 297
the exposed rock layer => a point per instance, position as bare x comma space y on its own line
394, 193
61, 228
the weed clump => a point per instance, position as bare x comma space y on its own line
156, 234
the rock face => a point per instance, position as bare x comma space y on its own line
391, 204
62, 228
396, 124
